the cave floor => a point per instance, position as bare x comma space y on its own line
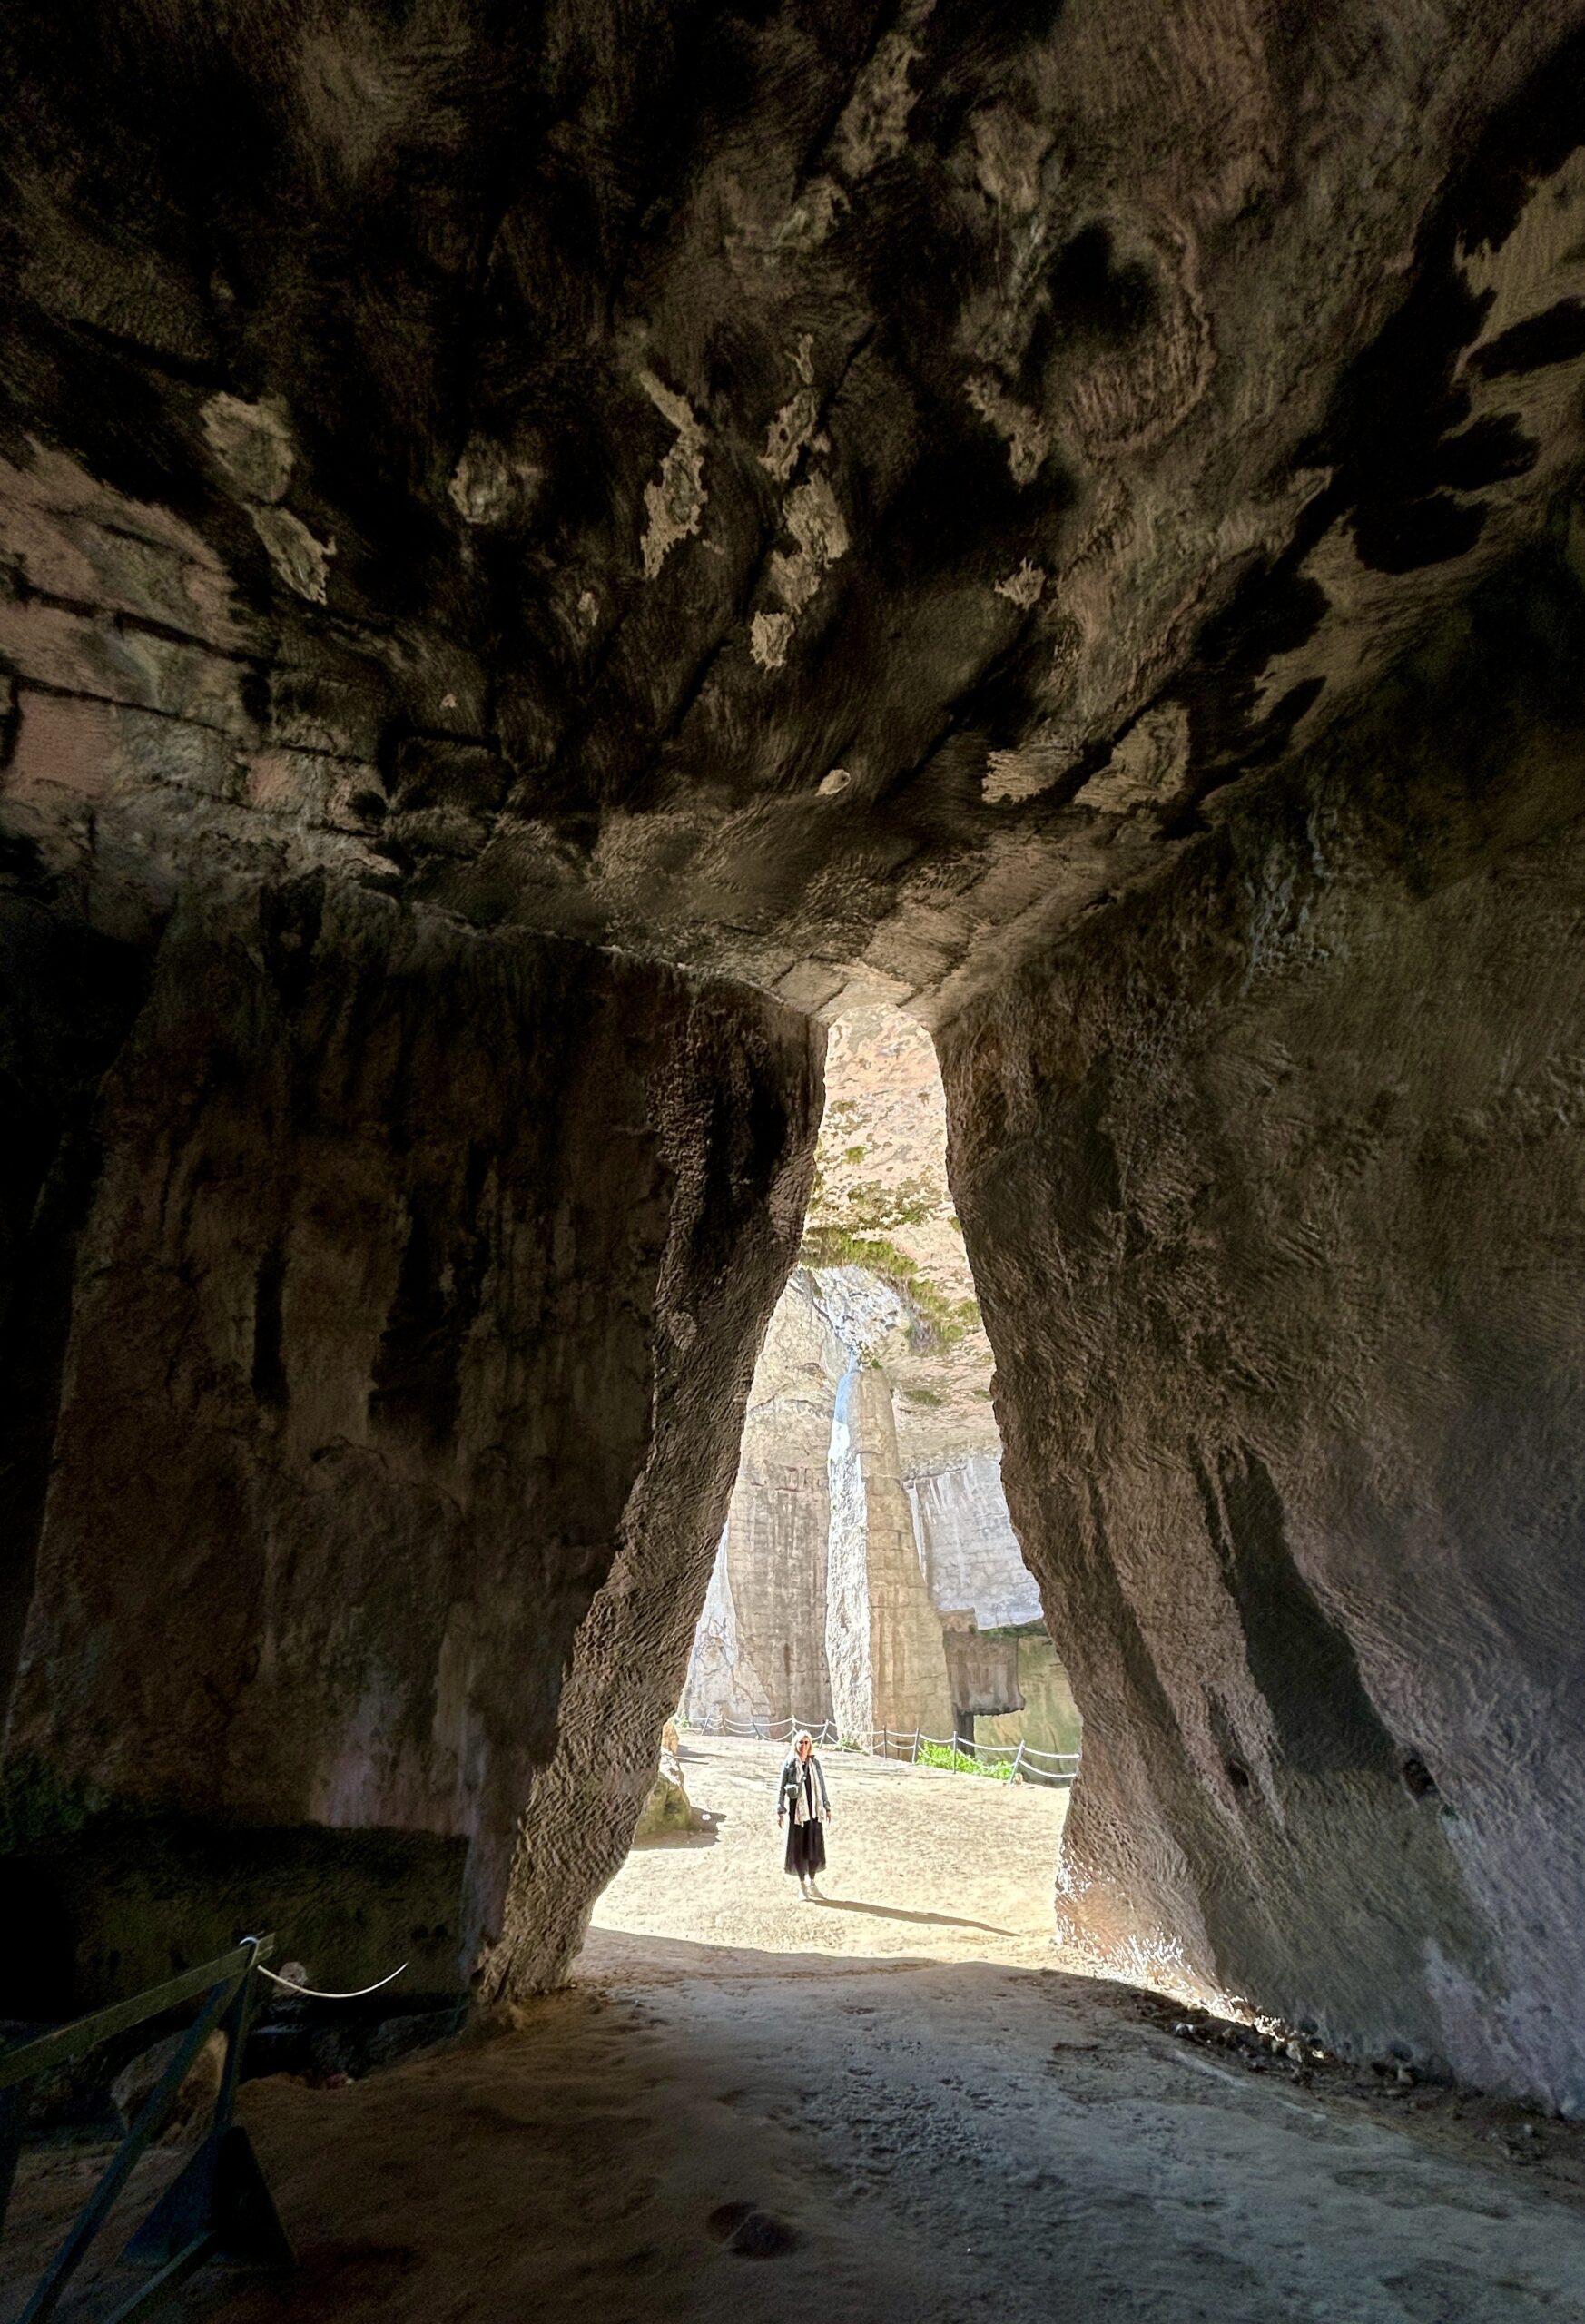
892, 2109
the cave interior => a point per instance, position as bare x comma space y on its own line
549, 554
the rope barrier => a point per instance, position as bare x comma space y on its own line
311, 1993
1063, 1765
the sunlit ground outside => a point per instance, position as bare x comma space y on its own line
920, 1862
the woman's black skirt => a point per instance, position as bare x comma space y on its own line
805, 1849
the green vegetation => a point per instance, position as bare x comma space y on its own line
853, 1222
866, 1207
939, 1323
963, 1762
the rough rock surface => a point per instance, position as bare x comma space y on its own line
68, 993
817, 493
667, 1809
1274, 1188
983, 1676
759, 1652
883, 1243
189, 2116
972, 1561
739, 1148
1048, 1720
883, 1636
411, 1316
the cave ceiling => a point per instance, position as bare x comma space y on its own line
816, 492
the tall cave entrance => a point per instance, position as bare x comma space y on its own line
869, 1581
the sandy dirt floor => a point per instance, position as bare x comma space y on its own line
888, 2109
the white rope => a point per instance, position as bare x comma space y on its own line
1065, 1763
311, 1993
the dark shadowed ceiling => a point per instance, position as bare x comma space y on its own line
820, 492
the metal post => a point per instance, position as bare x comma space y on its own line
219, 2205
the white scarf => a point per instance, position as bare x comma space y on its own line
809, 1801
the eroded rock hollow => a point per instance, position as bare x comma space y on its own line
543, 556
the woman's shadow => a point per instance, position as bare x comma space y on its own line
896, 1913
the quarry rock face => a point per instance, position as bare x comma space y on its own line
412, 1311
1048, 1719
883, 1638
885, 1285
883, 1244
759, 1654
971, 1558
1273, 1189
983, 1676
760, 1650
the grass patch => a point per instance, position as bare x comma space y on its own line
939, 1322
964, 1763
865, 1206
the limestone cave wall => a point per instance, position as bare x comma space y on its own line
1048, 1720
67, 996
970, 1553
404, 1324
1273, 1187
883, 1638
760, 1650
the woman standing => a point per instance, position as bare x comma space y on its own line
803, 1803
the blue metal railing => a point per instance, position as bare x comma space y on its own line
219, 2207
